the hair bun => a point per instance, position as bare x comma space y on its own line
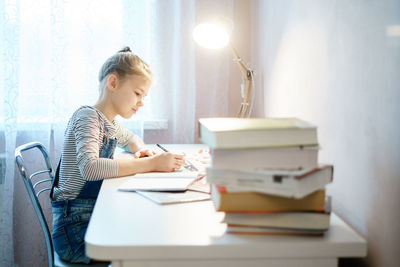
125, 49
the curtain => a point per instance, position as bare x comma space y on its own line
50, 55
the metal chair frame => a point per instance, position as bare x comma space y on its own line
53, 258
31, 188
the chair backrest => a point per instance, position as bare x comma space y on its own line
34, 190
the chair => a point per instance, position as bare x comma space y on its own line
34, 191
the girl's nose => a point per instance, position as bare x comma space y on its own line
140, 103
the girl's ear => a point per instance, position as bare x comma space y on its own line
112, 82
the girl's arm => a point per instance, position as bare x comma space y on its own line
86, 128
131, 142
139, 149
164, 162
146, 160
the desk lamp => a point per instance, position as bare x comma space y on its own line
216, 35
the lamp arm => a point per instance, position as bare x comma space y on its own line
247, 73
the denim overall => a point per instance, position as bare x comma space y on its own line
71, 217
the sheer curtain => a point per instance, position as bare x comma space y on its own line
50, 55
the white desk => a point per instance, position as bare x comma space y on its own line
130, 230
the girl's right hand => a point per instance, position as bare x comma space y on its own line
168, 162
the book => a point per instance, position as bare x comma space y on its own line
258, 159
257, 202
284, 183
240, 229
228, 133
312, 220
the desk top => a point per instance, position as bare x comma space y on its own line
125, 225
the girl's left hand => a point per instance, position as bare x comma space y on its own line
144, 152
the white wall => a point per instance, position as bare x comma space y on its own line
337, 64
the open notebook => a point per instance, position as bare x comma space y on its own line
159, 181
175, 197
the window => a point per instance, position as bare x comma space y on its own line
53, 51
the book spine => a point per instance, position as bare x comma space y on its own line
273, 231
270, 139
302, 220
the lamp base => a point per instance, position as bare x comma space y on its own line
244, 111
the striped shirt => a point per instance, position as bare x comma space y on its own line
84, 137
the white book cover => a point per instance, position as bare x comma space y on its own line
259, 159
285, 183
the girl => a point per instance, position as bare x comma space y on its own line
87, 155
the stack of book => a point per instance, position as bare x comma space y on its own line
265, 175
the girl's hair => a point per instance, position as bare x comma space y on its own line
123, 63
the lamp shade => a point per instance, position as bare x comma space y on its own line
216, 35
211, 35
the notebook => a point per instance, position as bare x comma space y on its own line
164, 198
177, 181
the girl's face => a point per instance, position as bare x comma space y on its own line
128, 94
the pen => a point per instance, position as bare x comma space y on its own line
163, 148
188, 164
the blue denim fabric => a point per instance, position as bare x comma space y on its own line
71, 217
70, 221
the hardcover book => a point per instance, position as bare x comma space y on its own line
240, 229
228, 133
253, 202
311, 220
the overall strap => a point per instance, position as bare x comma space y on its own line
55, 180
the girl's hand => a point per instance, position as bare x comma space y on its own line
168, 162
144, 152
